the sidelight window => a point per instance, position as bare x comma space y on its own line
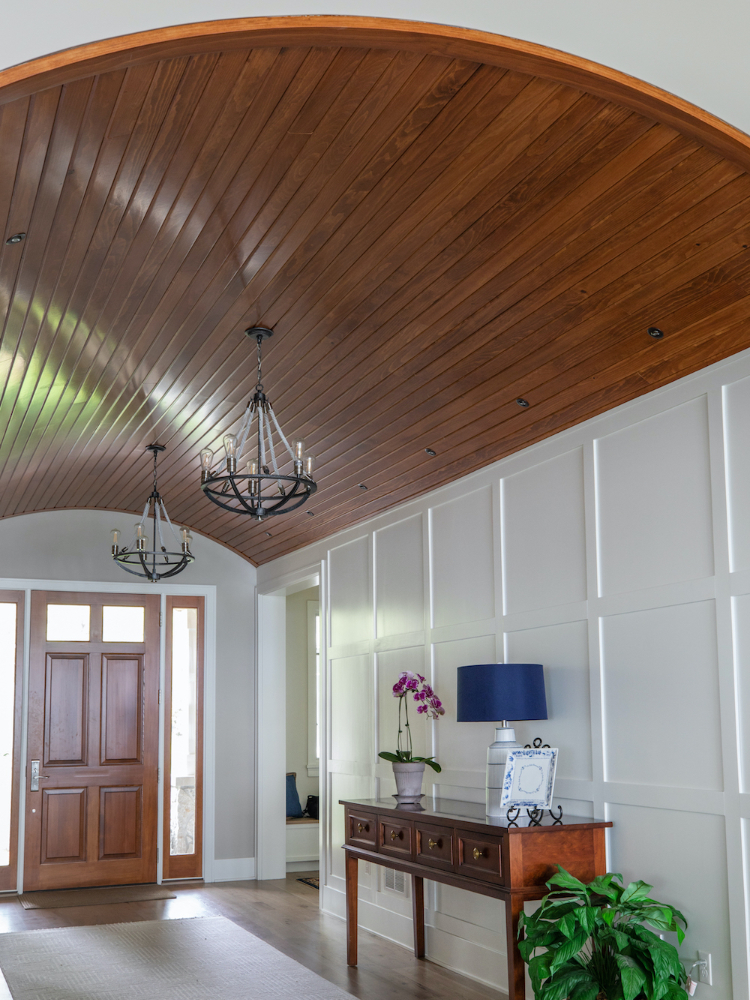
184, 752
7, 706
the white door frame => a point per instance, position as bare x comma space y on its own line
209, 697
270, 719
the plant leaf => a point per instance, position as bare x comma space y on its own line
633, 977
566, 880
569, 948
387, 755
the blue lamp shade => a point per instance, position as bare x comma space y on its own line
492, 692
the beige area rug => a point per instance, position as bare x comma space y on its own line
49, 900
205, 958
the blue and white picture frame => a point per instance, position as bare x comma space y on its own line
529, 778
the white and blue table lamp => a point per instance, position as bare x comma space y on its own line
488, 692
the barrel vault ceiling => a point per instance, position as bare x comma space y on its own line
430, 238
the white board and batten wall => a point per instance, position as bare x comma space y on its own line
616, 553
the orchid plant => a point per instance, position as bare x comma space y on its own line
414, 685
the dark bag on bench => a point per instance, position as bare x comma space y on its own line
311, 809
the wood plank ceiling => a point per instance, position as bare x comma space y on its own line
430, 238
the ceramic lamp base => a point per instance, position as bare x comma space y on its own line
497, 755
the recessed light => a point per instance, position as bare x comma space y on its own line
655, 332
16, 238
522, 402
362, 486
268, 533
430, 452
310, 513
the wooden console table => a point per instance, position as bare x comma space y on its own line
457, 844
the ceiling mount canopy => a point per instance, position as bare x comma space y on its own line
156, 562
258, 491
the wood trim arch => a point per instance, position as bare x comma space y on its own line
372, 32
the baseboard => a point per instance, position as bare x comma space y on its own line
459, 954
310, 865
233, 869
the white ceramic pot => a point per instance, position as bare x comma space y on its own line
408, 781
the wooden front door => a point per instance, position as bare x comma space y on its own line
93, 738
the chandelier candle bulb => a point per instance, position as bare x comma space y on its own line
140, 536
207, 460
309, 463
254, 485
230, 447
115, 540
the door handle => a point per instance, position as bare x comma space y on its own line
36, 776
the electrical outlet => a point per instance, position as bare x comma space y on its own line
704, 971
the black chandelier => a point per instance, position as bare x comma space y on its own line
259, 491
155, 562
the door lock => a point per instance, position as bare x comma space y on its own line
36, 776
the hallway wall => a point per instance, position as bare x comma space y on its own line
617, 554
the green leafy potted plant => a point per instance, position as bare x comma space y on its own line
591, 942
408, 770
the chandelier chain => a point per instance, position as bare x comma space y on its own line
259, 382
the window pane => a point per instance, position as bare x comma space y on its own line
121, 624
182, 757
68, 622
7, 703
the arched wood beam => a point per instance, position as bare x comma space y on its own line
372, 32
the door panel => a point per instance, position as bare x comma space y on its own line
120, 823
122, 684
64, 824
93, 724
65, 711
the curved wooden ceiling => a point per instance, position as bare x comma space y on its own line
433, 228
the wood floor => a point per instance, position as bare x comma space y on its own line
284, 913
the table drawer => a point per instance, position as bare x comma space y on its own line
434, 845
396, 838
480, 857
362, 829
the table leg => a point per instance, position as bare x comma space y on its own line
351, 909
417, 895
516, 971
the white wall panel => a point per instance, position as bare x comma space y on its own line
462, 559
351, 709
389, 666
544, 536
460, 745
564, 651
737, 435
683, 855
660, 681
349, 588
399, 578
741, 622
654, 501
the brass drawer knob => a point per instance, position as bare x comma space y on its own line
393, 835
477, 854
360, 827
432, 844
